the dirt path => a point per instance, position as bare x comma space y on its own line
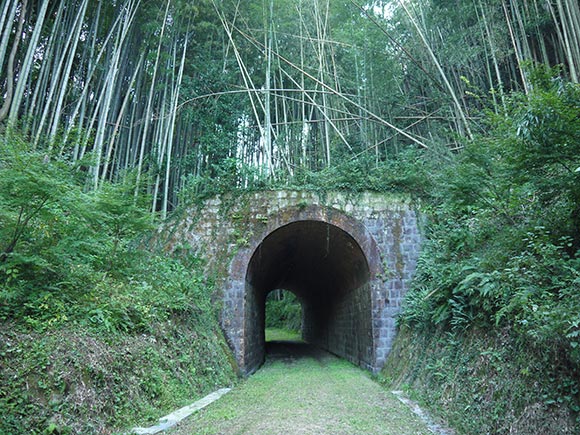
304, 391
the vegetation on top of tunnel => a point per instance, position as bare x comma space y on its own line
405, 174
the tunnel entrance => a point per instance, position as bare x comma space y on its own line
328, 271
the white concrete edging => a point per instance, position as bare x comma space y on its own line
435, 428
176, 416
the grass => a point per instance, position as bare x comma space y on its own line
306, 392
278, 334
481, 382
72, 381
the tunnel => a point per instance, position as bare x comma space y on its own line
327, 270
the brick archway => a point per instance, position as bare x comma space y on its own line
227, 231
330, 261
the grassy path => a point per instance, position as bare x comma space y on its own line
301, 390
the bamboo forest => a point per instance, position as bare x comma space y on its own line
119, 117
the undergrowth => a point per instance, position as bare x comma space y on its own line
72, 380
97, 333
485, 381
499, 274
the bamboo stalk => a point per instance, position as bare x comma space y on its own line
7, 31
342, 96
27, 63
450, 89
9, 95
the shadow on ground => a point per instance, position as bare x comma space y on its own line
293, 351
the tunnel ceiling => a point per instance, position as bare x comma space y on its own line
313, 259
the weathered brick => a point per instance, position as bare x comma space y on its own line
363, 325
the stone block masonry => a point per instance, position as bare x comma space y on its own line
348, 257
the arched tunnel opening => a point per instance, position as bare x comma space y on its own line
327, 270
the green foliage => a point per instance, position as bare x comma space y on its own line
408, 172
58, 243
74, 380
503, 237
486, 381
227, 176
73, 256
82, 305
504, 217
283, 311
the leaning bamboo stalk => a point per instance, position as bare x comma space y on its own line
246, 77
285, 115
66, 76
450, 89
322, 110
161, 136
9, 94
567, 32
301, 89
396, 43
149, 107
54, 73
516, 47
243, 70
268, 96
38, 98
102, 122
342, 96
93, 68
115, 133
110, 86
492, 48
175, 102
6, 32
305, 126
522, 37
573, 9
315, 43
84, 143
321, 29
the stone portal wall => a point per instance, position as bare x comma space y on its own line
226, 231
349, 332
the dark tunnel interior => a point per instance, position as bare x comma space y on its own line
327, 270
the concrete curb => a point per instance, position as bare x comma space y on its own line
423, 415
176, 416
